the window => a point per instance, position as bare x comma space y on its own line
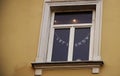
71, 35
74, 19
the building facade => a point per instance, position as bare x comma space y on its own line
30, 31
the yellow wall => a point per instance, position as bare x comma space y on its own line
110, 45
111, 37
19, 31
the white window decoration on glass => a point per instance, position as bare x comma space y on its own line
79, 43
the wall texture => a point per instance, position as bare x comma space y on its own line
111, 38
19, 34
110, 45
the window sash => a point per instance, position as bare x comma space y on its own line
60, 44
71, 38
81, 44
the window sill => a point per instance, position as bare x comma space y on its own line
95, 65
75, 64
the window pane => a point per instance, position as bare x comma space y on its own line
81, 44
60, 45
73, 17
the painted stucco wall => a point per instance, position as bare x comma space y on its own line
110, 45
19, 34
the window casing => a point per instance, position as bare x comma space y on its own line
50, 7
45, 47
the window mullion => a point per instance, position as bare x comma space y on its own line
71, 44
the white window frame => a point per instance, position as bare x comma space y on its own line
45, 29
71, 38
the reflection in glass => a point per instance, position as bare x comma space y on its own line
81, 44
60, 45
73, 17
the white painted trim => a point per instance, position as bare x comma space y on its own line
51, 39
38, 72
98, 26
73, 25
71, 44
70, 3
94, 65
43, 38
95, 70
46, 0
45, 26
50, 47
91, 50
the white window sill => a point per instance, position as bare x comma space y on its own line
95, 65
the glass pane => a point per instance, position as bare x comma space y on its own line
81, 44
73, 17
60, 45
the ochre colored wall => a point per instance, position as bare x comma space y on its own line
110, 45
19, 31
19, 34
111, 37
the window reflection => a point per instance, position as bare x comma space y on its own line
60, 45
81, 44
73, 17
